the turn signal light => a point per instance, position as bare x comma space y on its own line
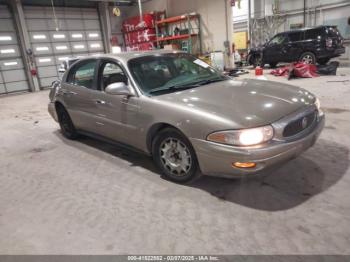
244, 164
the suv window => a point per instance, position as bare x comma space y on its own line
295, 36
83, 74
278, 39
313, 34
111, 73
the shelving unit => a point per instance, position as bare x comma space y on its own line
188, 23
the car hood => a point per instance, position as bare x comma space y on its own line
242, 104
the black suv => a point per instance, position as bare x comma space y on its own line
309, 45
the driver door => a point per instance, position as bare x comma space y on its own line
115, 115
273, 52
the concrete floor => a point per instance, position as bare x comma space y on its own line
88, 197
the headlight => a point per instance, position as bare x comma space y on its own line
243, 137
318, 104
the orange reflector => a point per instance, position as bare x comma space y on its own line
244, 165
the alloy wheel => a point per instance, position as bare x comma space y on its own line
175, 156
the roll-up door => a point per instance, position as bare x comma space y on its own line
76, 32
12, 73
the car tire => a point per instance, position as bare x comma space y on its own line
66, 124
174, 156
323, 61
257, 61
273, 65
308, 58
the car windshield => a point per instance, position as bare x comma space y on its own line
161, 74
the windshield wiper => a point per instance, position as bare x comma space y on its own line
186, 86
173, 87
209, 81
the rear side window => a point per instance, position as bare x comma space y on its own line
296, 36
313, 34
83, 74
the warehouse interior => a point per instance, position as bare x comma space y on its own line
95, 197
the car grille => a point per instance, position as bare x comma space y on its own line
298, 126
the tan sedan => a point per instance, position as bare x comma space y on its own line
189, 117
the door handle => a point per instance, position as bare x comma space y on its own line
100, 102
66, 92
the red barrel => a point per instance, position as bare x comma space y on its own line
259, 71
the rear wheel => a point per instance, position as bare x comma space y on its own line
66, 124
308, 58
323, 61
175, 156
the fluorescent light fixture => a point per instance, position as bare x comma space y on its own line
5, 38
62, 58
61, 47
59, 36
116, 49
43, 60
10, 63
93, 35
95, 45
7, 51
42, 48
77, 35
39, 36
79, 46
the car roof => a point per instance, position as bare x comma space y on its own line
126, 56
306, 28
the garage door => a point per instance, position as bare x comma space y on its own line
12, 73
75, 32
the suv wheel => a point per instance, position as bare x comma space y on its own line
175, 156
66, 124
308, 58
323, 61
257, 61
273, 65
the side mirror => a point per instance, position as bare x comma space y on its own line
119, 88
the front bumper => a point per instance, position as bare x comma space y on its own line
216, 159
52, 111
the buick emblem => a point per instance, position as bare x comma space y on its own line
304, 123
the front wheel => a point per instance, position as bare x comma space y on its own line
257, 61
175, 156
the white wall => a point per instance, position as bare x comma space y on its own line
213, 20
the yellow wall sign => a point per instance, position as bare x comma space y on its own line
240, 40
116, 11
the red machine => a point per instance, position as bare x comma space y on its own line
140, 35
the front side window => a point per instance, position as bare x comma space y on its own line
278, 39
84, 74
111, 73
170, 72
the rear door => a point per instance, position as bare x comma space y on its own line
314, 39
76, 92
293, 48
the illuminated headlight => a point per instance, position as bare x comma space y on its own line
318, 104
243, 137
